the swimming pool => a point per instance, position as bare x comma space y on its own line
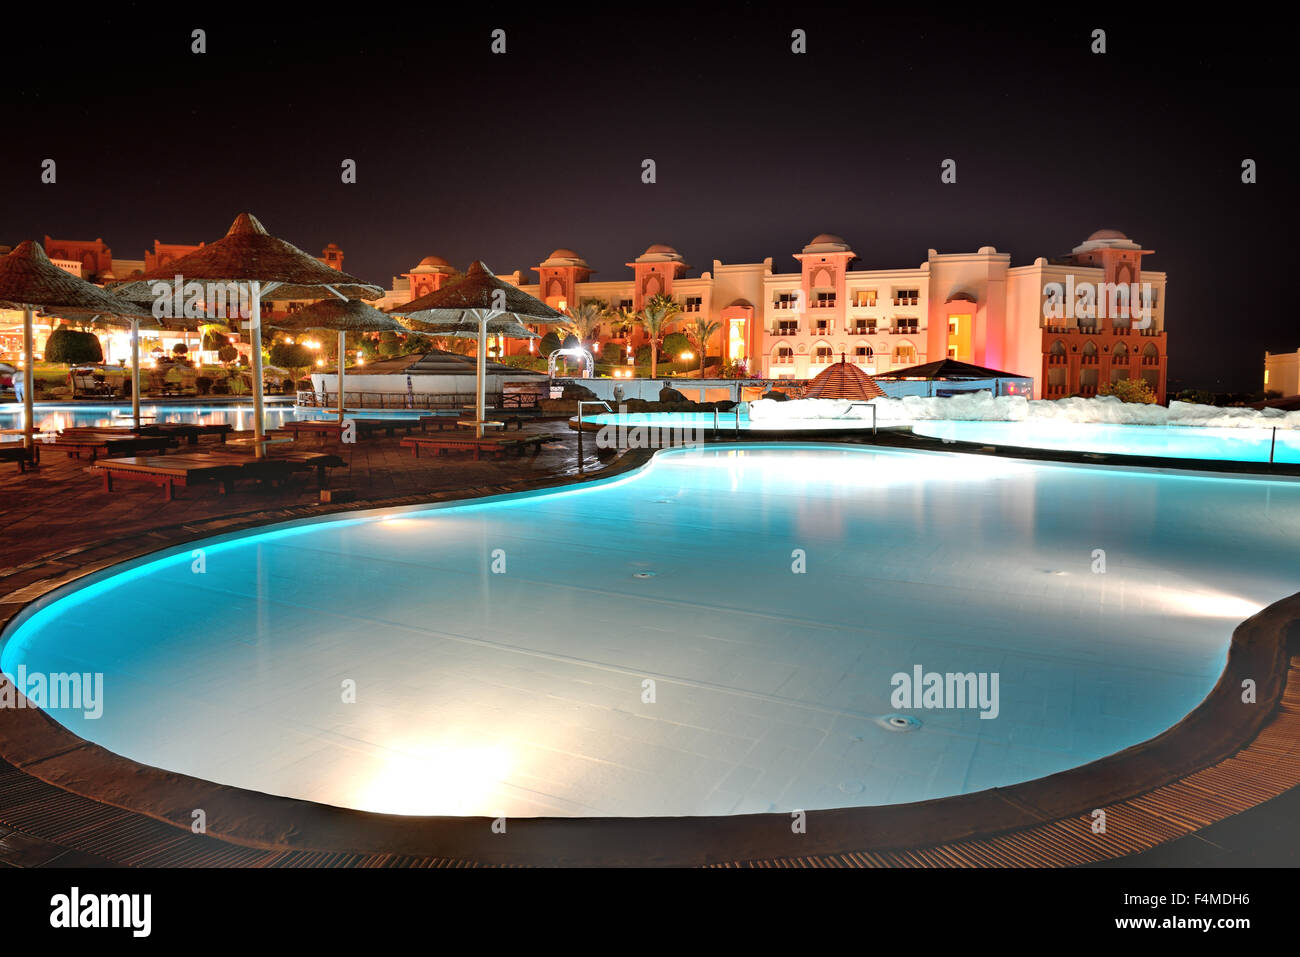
725, 421
1166, 441
52, 418
715, 633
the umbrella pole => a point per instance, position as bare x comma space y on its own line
29, 374
255, 327
481, 375
343, 348
135, 371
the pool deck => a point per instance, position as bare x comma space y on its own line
1190, 795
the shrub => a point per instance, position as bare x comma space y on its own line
1130, 390
388, 344
227, 353
204, 384
180, 349
73, 346
611, 353
675, 343
215, 340
290, 356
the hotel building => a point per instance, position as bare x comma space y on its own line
976, 307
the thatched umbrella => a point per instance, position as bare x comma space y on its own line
29, 281
476, 305
250, 257
843, 380
341, 316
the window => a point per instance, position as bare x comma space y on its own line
952, 352
823, 325
905, 326
906, 297
783, 355
864, 327
904, 352
787, 300
694, 303
823, 355
864, 297
625, 304
787, 327
863, 352
952, 327
824, 300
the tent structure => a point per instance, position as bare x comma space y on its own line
30, 282
341, 316
479, 303
249, 258
843, 380
950, 376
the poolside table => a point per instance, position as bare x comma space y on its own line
15, 452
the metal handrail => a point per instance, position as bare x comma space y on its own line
581, 403
869, 405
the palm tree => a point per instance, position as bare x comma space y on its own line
585, 318
700, 332
659, 310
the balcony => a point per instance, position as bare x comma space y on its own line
905, 301
786, 329
1151, 360
1089, 360
822, 328
862, 329
1153, 331
1055, 359
823, 303
1050, 389
1087, 390
863, 304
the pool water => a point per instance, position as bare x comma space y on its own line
52, 418
1172, 441
715, 633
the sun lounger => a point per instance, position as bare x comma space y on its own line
365, 428
96, 444
300, 459
468, 442
191, 468
14, 452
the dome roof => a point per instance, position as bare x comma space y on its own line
432, 264
827, 243
659, 248
1106, 234
563, 253
843, 380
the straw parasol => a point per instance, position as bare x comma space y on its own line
843, 380
341, 316
29, 281
476, 305
252, 258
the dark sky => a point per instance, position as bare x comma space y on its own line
470, 155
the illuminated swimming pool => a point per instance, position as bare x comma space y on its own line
716, 633
725, 421
1166, 441
55, 417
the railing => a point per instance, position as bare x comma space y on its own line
1089, 360
863, 330
1150, 332
1053, 359
863, 304
823, 304
584, 402
906, 301
872, 407
403, 400
1151, 360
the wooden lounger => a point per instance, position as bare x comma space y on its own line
14, 452
365, 428
299, 459
108, 443
187, 469
488, 445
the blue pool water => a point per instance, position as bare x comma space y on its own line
52, 418
715, 633
1172, 441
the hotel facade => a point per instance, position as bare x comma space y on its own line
975, 307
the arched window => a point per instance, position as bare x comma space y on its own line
863, 352
1120, 354
1058, 348
1089, 353
1150, 355
904, 352
823, 355
783, 355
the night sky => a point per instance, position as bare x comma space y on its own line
472, 155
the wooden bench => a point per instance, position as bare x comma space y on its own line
191, 468
365, 428
189, 431
108, 443
468, 442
